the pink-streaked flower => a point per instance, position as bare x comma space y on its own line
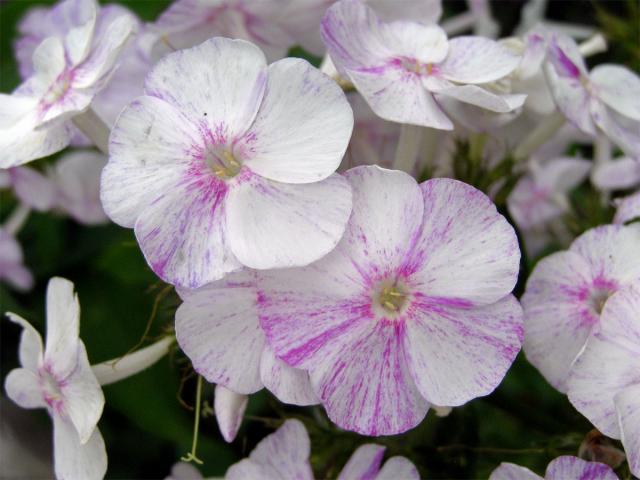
68, 72
76, 177
59, 378
365, 464
229, 408
218, 329
412, 308
402, 68
627, 208
617, 174
30, 187
283, 454
220, 165
607, 98
566, 292
562, 468
605, 380
187, 23
12, 269
541, 195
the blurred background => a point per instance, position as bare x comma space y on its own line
147, 422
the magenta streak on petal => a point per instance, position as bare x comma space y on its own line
595, 471
564, 66
374, 468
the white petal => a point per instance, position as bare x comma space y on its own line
619, 174
229, 407
424, 43
619, 88
510, 471
628, 208
477, 60
423, 11
275, 225
299, 102
20, 145
48, 62
74, 460
30, 350
457, 354
290, 385
364, 463
398, 467
562, 174
483, 98
33, 188
219, 83
622, 130
566, 467
63, 327
217, 328
23, 388
628, 406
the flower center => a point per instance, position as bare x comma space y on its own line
598, 298
415, 66
222, 162
51, 390
390, 298
59, 88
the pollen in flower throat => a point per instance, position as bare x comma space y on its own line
222, 162
392, 298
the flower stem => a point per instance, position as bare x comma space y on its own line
118, 369
407, 149
17, 219
95, 128
192, 455
543, 132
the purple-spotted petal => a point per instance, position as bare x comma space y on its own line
283, 142
511, 471
275, 225
220, 82
74, 459
398, 467
217, 328
477, 60
565, 467
364, 463
628, 407
628, 208
290, 385
466, 251
457, 354
229, 408
619, 88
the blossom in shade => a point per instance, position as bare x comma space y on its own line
562, 468
76, 176
187, 23
29, 186
627, 208
403, 68
412, 308
605, 380
220, 165
218, 329
365, 463
59, 378
12, 269
607, 98
283, 454
68, 72
566, 292
617, 174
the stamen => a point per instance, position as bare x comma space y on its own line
392, 298
222, 163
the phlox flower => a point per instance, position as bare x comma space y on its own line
68, 71
605, 380
412, 307
365, 464
403, 68
12, 269
566, 292
31, 187
607, 98
628, 208
562, 468
59, 378
220, 165
617, 174
217, 327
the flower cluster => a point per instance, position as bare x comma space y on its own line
339, 236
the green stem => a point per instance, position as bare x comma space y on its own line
192, 455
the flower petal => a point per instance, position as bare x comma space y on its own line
276, 225
619, 88
621, 130
229, 407
33, 188
364, 463
444, 260
566, 467
23, 388
283, 142
619, 174
628, 407
483, 98
628, 208
511, 471
220, 82
30, 350
477, 60
398, 467
74, 459
217, 328
63, 327
424, 43
290, 385
20, 144
457, 354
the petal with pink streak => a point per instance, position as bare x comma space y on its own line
398, 467
628, 407
365, 385
565, 467
283, 142
222, 90
277, 225
619, 88
290, 385
511, 471
477, 60
466, 250
217, 328
364, 463
229, 407
456, 353
628, 208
